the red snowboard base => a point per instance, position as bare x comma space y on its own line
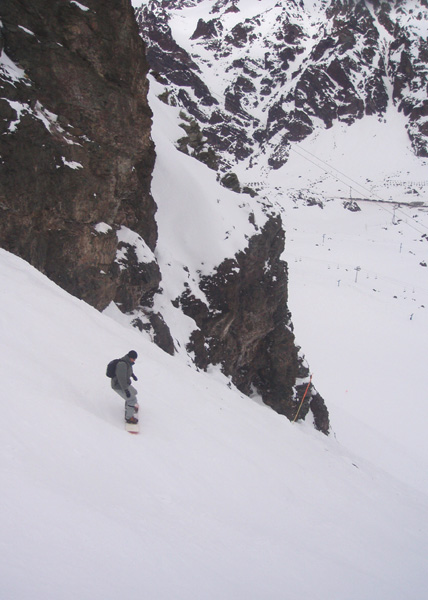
132, 427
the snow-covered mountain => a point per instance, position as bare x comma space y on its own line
197, 267
258, 77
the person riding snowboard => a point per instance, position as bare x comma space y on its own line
121, 383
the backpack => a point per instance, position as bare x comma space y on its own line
111, 368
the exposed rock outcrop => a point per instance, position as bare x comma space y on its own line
76, 150
246, 327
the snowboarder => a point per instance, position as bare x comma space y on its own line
121, 383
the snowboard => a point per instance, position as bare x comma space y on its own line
132, 427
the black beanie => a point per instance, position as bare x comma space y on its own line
132, 354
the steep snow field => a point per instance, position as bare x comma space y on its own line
218, 497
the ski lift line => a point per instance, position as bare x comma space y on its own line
275, 194
371, 192
401, 211
355, 190
373, 195
327, 172
362, 187
351, 187
382, 207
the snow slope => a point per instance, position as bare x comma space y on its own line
219, 497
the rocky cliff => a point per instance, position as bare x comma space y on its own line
76, 150
245, 326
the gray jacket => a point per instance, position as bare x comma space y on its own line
122, 379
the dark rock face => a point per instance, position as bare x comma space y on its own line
76, 148
167, 58
207, 29
246, 327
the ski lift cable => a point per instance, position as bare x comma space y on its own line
329, 172
362, 187
381, 206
